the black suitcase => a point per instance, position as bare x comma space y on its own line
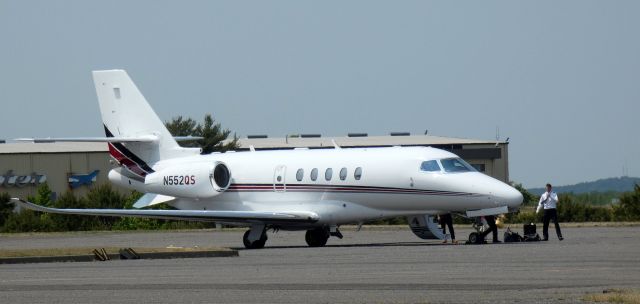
530, 229
530, 234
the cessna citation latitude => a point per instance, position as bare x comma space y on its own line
316, 190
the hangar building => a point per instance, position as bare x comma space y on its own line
79, 166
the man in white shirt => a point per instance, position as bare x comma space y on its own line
548, 201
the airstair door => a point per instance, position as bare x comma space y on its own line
279, 182
425, 227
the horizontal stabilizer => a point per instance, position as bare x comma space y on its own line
187, 138
187, 215
151, 199
150, 138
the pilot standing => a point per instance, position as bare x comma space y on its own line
548, 201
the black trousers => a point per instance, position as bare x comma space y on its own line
491, 221
550, 214
446, 220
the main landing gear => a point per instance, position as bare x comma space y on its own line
317, 237
256, 237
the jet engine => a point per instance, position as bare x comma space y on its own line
196, 180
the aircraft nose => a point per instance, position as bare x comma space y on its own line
511, 196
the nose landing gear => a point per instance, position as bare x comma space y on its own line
478, 236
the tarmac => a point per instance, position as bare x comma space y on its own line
381, 265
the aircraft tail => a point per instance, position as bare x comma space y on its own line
127, 114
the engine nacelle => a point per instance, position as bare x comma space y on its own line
195, 180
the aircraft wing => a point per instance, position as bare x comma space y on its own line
187, 215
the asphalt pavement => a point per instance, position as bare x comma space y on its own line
388, 265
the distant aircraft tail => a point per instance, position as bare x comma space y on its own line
127, 114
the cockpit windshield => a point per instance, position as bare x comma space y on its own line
456, 165
430, 166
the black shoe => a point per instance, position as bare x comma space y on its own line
496, 241
560, 238
545, 240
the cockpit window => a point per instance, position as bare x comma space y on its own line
456, 165
430, 166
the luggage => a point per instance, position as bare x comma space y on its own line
530, 234
530, 229
511, 237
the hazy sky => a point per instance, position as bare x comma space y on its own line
560, 78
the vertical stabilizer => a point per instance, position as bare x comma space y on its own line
126, 113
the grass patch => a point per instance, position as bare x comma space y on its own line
626, 296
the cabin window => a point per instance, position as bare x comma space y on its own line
299, 174
456, 165
479, 167
328, 174
314, 174
430, 166
343, 173
358, 173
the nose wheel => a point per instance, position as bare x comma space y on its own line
476, 238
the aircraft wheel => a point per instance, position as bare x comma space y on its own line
317, 237
254, 245
474, 238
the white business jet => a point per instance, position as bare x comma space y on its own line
301, 189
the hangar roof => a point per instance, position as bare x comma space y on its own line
262, 143
364, 141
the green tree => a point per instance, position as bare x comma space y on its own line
43, 195
67, 222
214, 136
28, 220
6, 207
570, 210
629, 207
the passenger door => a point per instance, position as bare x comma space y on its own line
279, 181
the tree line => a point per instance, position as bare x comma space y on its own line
584, 207
99, 197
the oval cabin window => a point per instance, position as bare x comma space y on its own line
358, 173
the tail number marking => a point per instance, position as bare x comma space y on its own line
179, 180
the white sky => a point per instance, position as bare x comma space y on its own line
559, 78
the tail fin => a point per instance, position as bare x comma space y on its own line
126, 113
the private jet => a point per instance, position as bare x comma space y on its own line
312, 190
